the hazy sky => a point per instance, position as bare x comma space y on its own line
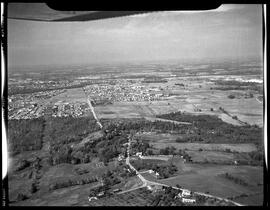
231, 31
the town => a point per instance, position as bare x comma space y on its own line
34, 105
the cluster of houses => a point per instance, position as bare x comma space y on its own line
122, 90
154, 173
74, 109
29, 106
186, 196
103, 193
155, 188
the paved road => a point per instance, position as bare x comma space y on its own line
131, 166
165, 120
92, 109
135, 188
94, 114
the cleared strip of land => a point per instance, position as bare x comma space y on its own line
214, 147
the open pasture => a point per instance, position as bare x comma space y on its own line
212, 157
133, 109
70, 96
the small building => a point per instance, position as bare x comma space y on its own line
100, 194
120, 157
186, 193
188, 200
149, 187
139, 154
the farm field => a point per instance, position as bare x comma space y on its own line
212, 157
70, 96
162, 140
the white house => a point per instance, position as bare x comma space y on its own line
149, 187
100, 194
188, 200
139, 154
186, 193
120, 157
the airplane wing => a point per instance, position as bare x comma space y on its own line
42, 12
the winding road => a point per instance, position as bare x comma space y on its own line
149, 183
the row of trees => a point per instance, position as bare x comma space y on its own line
140, 146
235, 179
143, 125
238, 85
168, 151
71, 182
164, 170
173, 151
211, 129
